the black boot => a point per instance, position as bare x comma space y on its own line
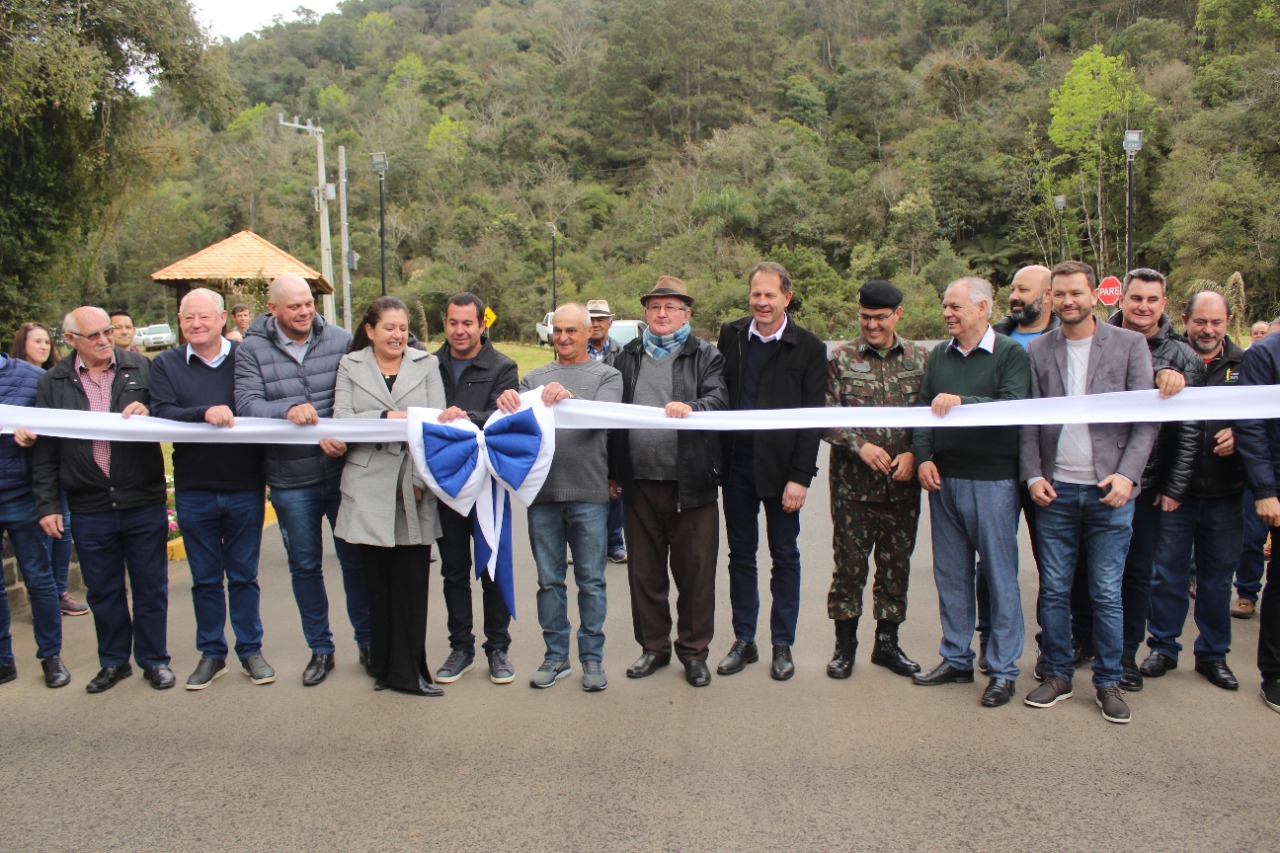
888, 654
841, 665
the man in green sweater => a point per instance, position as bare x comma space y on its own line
971, 475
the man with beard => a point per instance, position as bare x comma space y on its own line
1083, 478
1028, 316
1209, 518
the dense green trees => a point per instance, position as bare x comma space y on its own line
849, 139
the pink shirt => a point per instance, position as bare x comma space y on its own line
99, 394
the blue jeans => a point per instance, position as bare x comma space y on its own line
742, 529
616, 540
583, 527
115, 543
59, 550
1076, 518
1215, 527
222, 532
300, 512
1249, 573
967, 518
18, 516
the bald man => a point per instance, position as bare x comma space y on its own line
116, 491
287, 367
1029, 315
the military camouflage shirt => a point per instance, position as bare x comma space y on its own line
859, 375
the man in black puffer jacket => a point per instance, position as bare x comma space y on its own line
287, 368
1166, 478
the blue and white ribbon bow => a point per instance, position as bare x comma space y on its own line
465, 467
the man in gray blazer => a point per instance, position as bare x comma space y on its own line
1083, 479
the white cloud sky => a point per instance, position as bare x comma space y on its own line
234, 18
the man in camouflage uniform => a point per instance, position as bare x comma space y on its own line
875, 496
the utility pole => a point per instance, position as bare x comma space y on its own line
348, 259
322, 195
553, 264
1132, 145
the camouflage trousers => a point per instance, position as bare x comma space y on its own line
859, 528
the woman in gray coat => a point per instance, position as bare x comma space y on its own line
386, 508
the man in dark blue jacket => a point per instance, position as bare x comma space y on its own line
116, 491
218, 491
287, 367
770, 362
18, 381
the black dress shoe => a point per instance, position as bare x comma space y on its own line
8, 672
380, 684
1218, 673
943, 673
783, 667
1157, 665
1130, 675
317, 668
999, 691
107, 678
55, 672
364, 662
160, 677
889, 654
741, 653
696, 673
424, 688
647, 664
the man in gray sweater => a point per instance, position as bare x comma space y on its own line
572, 508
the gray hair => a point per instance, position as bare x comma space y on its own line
70, 325
581, 309
979, 289
212, 295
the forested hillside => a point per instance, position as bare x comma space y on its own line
912, 140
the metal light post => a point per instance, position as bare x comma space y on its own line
1060, 204
553, 264
323, 193
1132, 145
380, 165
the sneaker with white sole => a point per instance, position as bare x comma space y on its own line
501, 670
550, 672
1114, 708
205, 672
457, 663
593, 680
257, 670
71, 607
1271, 693
1054, 689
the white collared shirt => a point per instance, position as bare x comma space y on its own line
223, 352
776, 336
987, 343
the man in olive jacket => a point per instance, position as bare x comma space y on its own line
770, 362
116, 491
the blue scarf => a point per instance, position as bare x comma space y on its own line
661, 346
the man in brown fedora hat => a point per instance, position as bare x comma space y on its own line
670, 478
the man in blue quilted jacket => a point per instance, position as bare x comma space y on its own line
287, 368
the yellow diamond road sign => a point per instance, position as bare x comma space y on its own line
489, 317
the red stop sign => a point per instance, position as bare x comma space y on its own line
1109, 290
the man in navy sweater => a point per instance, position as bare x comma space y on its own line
219, 491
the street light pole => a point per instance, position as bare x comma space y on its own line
323, 194
1060, 204
380, 166
553, 264
1132, 145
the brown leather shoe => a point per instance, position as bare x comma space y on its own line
1244, 608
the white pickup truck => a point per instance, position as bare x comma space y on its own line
159, 336
543, 330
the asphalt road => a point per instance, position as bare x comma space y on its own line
746, 764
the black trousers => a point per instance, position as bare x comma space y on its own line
398, 580
1269, 617
455, 569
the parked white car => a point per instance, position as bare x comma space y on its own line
543, 330
158, 336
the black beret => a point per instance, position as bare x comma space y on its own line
879, 294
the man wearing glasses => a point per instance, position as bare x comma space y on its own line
669, 479
116, 491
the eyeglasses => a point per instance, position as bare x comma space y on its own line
669, 309
105, 334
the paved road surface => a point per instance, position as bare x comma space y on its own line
872, 763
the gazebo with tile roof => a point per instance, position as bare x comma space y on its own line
239, 258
